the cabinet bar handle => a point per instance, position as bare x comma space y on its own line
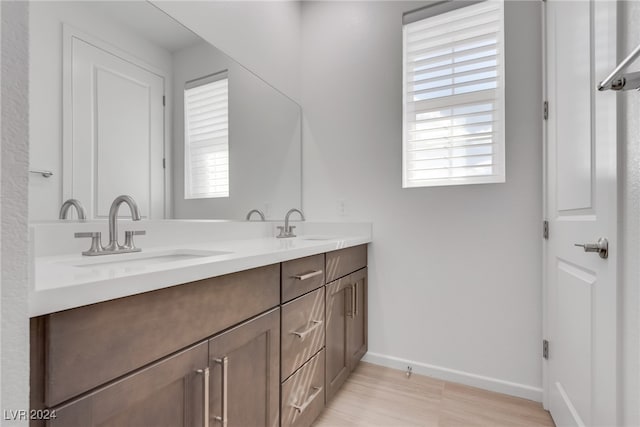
224, 363
302, 335
205, 383
350, 312
307, 275
355, 299
305, 405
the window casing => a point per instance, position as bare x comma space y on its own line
453, 97
206, 137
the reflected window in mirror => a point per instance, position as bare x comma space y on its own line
206, 115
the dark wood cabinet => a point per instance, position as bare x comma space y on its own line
303, 394
168, 393
237, 370
338, 310
302, 331
302, 275
346, 334
232, 350
245, 374
345, 261
357, 333
89, 346
302, 362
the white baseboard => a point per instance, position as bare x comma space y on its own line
452, 375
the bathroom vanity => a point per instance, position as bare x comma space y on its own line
267, 345
213, 322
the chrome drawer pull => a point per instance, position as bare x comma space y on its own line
224, 364
355, 299
205, 382
351, 313
303, 335
307, 275
305, 405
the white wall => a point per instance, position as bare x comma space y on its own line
45, 98
630, 232
264, 36
455, 272
14, 321
264, 141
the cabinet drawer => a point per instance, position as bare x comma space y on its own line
91, 345
303, 275
345, 261
303, 394
302, 330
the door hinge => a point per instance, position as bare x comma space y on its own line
545, 229
545, 110
164, 101
545, 349
164, 163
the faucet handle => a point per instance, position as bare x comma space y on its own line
96, 242
128, 238
290, 231
282, 232
87, 234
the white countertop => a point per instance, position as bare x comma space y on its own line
62, 282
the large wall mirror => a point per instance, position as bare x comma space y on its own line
125, 100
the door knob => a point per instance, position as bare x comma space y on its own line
601, 247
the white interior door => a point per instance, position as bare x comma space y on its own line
116, 141
581, 319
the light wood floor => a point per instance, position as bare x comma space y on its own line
378, 396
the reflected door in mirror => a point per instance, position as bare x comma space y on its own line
115, 140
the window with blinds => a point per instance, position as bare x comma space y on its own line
453, 97
206, 128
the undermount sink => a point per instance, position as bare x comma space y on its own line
311, 237
141, 259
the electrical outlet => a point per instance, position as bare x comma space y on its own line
342, 207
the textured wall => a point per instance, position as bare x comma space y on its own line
13, 191
455, 272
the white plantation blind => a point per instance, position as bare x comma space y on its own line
453, 90
206, 118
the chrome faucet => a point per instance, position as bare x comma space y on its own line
252, 211
287, 231
113, 247
113, 221
64, 209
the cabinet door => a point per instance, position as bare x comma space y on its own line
168, 393
245, 374
338, 310
357, 336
